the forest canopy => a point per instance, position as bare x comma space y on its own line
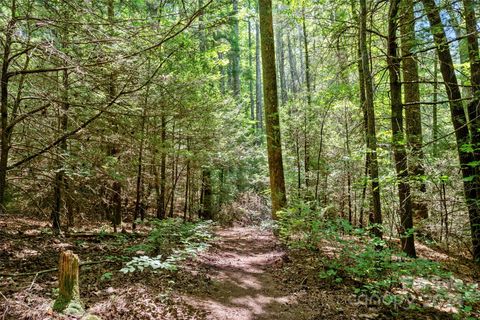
114, 113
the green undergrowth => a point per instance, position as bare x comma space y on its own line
170, 242
350, 256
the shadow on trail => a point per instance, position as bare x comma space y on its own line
244, 276
241, 285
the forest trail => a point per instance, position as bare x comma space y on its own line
242, 283
248, 275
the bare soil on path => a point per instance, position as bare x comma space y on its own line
247, 275
240, 282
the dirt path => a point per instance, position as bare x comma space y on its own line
244, 275
242, 283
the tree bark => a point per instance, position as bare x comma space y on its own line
161, 206
281, 64
139, 182
474, 59
235, 52
258, 81
206, 211
413, 115
399, 151
306, 117
375, 217
361, 81
272, 117
460, 124
5, 134
435, 108
69, 287
250, 70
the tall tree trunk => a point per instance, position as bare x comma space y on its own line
250, 69
474, 59
274, 145
348, 165
320, 154
456, 21
161, 205
413, 115
187, 189
60, 185
206, 211
235, 52
60, 188
139, 182
361, 81
435, 108
281, 64
399, 151
258, 81
459, 120
116, 197
292, 64
474, 116
376, 216
306, 117
175, 174
5, 134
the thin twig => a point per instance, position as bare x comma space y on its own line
25, 274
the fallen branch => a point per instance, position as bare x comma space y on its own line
26, 274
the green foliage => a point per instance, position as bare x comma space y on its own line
169, 234
107, 276
175, 240
356, 255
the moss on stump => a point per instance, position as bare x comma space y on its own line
68, 300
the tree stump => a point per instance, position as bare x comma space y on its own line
68, 300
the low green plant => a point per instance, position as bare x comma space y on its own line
170, 242
169, 234
107, 276
375, 267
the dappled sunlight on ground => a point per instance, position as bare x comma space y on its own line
241, 286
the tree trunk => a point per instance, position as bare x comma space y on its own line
161, 206
5, 134
250, 70
206, 211
413, 115
306, 117
376, 216
274, 145
320, 154
399, 151
116, 201
361, 80
292, 63
474, 59
281, 65
456, 23
460, 124
258, 81
348, 165
139, 182
187, 185
235, 52
435, 108
174, 176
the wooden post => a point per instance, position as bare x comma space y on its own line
68, 300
